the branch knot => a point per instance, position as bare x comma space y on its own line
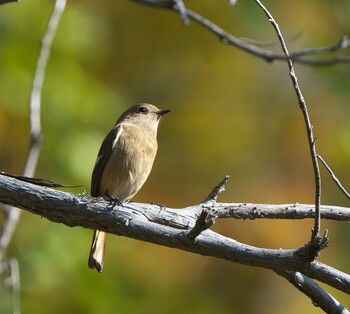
311, 250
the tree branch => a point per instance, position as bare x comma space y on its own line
317, 243
204, 221
318, 295
159, 225
311, 140
335, 179
7, 1
281, 211
13, 213
218, 189
300, 56
13, 280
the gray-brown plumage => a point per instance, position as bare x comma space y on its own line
123, 163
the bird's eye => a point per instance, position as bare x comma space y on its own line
142, 110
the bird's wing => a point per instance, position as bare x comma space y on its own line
103, 157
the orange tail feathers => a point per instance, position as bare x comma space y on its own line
97, 250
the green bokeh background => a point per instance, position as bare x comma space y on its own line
231, 114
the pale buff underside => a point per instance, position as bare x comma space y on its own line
130, 163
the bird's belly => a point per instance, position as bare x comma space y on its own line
125, 173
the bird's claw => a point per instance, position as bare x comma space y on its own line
114, 201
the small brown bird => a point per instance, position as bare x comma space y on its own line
123, 163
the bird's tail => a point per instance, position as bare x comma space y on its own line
97, 250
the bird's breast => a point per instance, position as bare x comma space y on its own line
130, 163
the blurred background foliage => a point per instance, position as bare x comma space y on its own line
231, 114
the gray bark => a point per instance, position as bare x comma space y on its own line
171, 227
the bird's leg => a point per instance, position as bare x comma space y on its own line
114, 200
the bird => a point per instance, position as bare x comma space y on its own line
124, 163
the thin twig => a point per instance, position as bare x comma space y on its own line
183, 12
16, 285
310, 136
13, 281
342, 44
218, 189
335, 179
273, 43
7, 1
248, 46
13, 214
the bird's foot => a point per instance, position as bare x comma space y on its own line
114, 201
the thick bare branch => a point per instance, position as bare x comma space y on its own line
280, 211
159, 225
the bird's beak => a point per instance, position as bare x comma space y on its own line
162, 112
